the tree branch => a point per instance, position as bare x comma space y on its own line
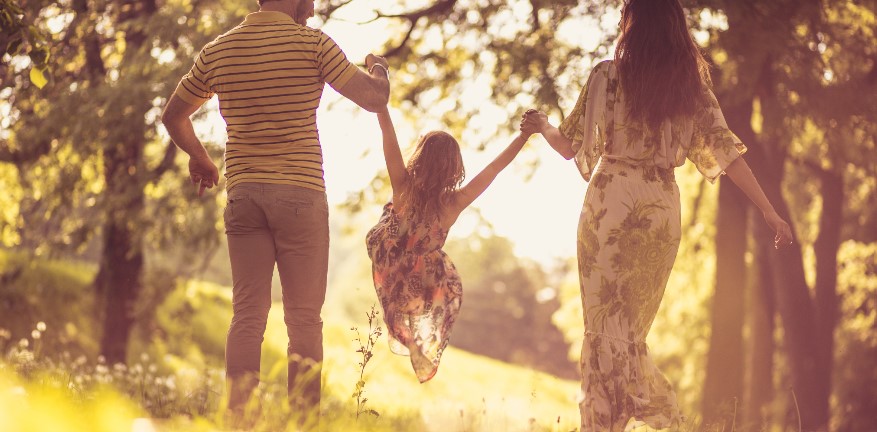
440, 8
398, 48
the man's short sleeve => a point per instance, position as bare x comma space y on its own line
194, 88
333, 65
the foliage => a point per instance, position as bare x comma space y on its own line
856, 371
19, 36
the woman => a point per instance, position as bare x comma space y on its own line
640, 115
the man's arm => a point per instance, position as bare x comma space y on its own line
371, 91
175, 117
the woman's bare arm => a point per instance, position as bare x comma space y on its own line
742, 176
537, 121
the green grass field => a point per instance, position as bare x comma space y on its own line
176, 381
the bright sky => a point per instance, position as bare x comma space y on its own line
538, 210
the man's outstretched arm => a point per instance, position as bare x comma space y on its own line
371, 91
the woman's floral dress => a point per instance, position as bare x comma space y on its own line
418, 285
628, 237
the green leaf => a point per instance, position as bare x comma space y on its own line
38, 77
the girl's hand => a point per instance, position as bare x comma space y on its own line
528, 126
784, 232
535, 121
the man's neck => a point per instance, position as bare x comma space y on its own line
286, 7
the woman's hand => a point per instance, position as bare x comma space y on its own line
533, 121
784, 232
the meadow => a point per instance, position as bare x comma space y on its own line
51, 379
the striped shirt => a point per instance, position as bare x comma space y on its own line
269, 73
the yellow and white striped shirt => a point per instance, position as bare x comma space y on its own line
269, 73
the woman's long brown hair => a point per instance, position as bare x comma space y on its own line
662, 70
435, 169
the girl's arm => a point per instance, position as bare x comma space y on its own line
537, 121
392, 153
467, 194
741, 175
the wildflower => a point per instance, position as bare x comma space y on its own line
41, 326
23, 343
35, 334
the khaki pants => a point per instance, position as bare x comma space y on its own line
288, 225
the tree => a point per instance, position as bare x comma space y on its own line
89, 145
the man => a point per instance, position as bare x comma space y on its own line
269, 73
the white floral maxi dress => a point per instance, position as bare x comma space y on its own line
628, 237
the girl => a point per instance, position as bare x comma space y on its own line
418, 285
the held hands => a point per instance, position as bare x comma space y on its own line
203, 173
533, 121
373, 62
784, 232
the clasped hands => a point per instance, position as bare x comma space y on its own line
533, 121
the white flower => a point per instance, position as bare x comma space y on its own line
35, 334
41, 326
23, 343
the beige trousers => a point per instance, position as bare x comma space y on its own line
287, 225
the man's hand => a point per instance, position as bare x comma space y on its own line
203, 173
371, 59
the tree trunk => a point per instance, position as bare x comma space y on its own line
794, 305
723, 386
759, 389
119, 279
825, 249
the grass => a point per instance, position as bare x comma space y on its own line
51, 380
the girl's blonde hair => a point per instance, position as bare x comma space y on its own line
435, 169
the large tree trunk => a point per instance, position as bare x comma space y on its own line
794, 301
119, 280
825, 249
723, 385
759, 390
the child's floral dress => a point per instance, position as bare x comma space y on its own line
418, 285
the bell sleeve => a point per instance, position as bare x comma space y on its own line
713, 145
585, 125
